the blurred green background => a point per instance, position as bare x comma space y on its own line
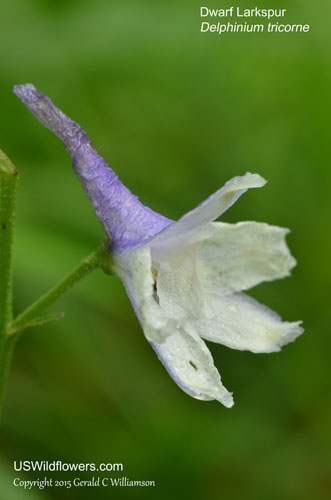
176, 113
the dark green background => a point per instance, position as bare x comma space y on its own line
176, 113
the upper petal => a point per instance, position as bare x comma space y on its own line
235, 257
195, 220
240, 256
134, 267
179, 284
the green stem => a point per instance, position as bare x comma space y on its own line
8, 182
89, 264
6, 355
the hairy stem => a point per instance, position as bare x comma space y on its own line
5, 360
8, 182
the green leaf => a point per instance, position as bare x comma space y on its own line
41, 320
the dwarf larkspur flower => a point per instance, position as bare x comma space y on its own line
184, 279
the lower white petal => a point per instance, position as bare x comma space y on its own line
190, 364
240, 322
183, 353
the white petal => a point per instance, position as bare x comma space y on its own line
239, 256
134, 267
234, 258
178, 287
240, 322
189, 362
184, 354
206, 212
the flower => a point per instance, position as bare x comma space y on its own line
185, 279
